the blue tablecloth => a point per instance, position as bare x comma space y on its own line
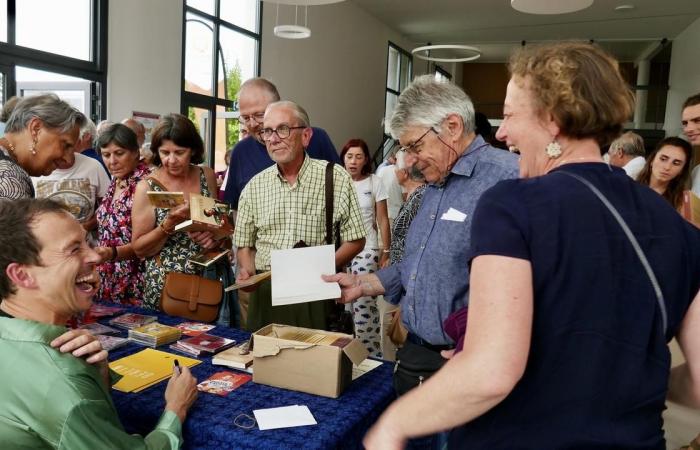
342, 422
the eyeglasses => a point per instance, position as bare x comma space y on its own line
412, 149
282, 131
258, 118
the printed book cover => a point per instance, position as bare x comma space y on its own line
221, 383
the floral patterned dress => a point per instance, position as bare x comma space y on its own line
122, 281
174, 254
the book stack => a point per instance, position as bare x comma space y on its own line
131, 320
236, 357
109, 343
98, 328
202, 345
154, 334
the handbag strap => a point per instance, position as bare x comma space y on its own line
635, 244
329, 203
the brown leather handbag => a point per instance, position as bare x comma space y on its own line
191, 296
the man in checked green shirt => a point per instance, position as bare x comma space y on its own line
285, 204
54, 385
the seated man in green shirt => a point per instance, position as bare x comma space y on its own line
51, 396
284, 205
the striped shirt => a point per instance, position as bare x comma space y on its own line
274, 215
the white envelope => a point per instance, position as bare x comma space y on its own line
297, 275
284, 417
454, 215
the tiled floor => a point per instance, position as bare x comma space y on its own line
681, 424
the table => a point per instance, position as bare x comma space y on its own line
342, 422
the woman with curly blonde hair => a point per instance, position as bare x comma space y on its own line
579, 279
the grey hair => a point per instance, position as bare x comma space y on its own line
88, 128
55, 113
426, 102
299, 112
630, 143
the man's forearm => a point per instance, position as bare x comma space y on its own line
246, 259
370, 284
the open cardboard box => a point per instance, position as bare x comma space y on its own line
302, 359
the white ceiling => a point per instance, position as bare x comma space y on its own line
495, 28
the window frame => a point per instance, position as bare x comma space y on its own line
388, 90
95, 71
210, 103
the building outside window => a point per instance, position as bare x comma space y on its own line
221, 49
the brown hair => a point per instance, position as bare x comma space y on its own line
579, 84
18, 244
691, 101
367, 167
180, 130
674, 191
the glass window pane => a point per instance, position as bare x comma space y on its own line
2, 90
206, 6
3, 20
226, 136
200, 118
73, 18
239, 52
405, 76
392, 70
389, 110
75, 91
243, 13
198, 55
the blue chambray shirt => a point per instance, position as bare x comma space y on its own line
432, 280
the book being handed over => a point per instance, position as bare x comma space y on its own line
206, 214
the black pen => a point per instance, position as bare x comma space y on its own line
177, 366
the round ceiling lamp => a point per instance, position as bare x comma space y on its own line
550, 6
292, 32
304, 2
475, 53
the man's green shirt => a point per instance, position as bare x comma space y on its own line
54, 400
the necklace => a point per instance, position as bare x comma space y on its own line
10, 148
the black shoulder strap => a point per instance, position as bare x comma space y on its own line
329, 202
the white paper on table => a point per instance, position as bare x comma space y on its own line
364, 367
284, 417
298, 275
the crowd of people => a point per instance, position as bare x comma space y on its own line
538, 291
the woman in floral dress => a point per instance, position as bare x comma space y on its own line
177, 147
121, 272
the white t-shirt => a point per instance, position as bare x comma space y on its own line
87, 176
634, 166
369, 192
392, 189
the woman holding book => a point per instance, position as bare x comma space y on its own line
579, 279
121, 272
372, 197
667, 169
177, 148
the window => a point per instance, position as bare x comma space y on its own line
70, 61
221, 49
441, 74
399, 71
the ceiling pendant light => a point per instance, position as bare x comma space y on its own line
474, 53
550, 6
295, 31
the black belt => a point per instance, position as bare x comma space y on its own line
423, 343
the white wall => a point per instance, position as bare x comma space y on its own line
684, 78
144, 57
338, 74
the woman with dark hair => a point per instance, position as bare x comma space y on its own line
121, 272
372, 197
177, 148
667, 169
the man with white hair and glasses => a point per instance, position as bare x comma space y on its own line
434, 123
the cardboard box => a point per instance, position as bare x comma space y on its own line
302, 359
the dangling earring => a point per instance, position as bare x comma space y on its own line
553, 149
33, 149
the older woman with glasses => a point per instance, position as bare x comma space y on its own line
579, 279
39, 137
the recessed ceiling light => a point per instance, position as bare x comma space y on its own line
623, 8
549, 6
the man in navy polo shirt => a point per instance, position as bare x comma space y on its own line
249, 156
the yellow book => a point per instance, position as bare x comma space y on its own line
146, 368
